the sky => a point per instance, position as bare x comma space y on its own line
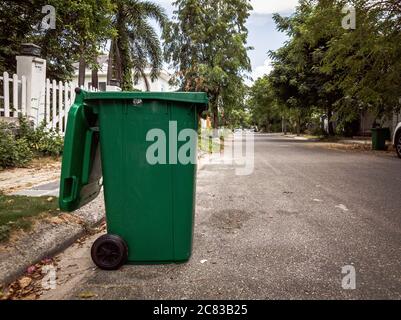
262, 33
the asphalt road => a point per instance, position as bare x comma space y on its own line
284, 232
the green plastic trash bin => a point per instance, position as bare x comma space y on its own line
379, 137
149, 204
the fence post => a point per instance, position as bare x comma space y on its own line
60, 106
33, 68
15, 96
6, 87
47, 106
54, 104
66, 106
23, 95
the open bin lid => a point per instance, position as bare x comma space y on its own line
81, 172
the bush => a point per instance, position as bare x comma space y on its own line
4, 232
42, 141
19, 144
14, 152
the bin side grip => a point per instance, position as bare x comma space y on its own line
70, 189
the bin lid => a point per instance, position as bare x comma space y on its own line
190, 97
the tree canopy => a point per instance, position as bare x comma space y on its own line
82, 27
335, 70
206, 46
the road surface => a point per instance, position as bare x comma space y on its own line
284, 232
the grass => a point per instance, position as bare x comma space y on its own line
17, 212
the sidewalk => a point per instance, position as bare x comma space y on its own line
49, 235
47, 238
350, 144
40, 172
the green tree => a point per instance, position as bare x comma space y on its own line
298, 78
135, 45
370, 58
206, 45
340, 72
81, 28
16, 20
263, 107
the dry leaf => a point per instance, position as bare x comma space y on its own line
56, 220
24, 282
31, 270
87, 295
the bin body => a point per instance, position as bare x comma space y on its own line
379, 136
151, 206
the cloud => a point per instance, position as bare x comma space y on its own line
260, 71
273, 6
259, 6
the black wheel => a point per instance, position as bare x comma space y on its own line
398, 144
109, 252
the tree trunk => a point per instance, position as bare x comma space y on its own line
110, 64
215, 118
124, 51
284, 126
330, 121
82, 69
298, 126
95, 78
145, 79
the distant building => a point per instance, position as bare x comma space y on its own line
161, 84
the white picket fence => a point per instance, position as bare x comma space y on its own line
13, 98
57, 100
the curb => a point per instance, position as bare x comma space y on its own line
47, 240
300, 138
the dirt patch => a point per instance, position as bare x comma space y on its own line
39, 171
229, 220
353, 148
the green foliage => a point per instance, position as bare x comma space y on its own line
136, 45
81, 29
326, 69
206, 45
266, 113
18, 145
14, 152
42, 141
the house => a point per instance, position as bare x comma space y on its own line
161, 84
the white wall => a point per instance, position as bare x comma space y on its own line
159, 85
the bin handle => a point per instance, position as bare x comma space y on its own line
70, 189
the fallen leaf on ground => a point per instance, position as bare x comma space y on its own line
24, 282
87, 295
31, 270
50, 199
56, 220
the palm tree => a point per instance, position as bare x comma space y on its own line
136, 44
